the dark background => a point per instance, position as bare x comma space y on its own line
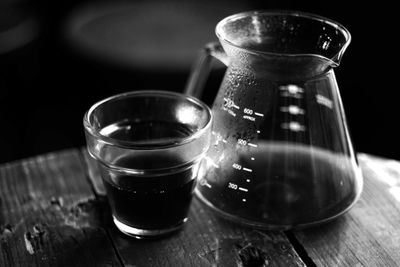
47, 84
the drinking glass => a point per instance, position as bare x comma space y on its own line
149, 145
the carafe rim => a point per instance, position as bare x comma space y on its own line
334, 60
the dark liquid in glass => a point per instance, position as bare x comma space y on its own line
148, 201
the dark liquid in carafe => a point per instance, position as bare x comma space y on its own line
289, 185
150, 201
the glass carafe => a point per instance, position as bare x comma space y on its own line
281, 155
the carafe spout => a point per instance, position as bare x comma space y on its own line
336, 59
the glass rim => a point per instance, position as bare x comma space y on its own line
292, 13
140, 145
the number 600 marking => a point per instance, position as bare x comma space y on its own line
248, 111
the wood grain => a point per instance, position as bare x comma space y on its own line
206, 240
53, 212
369, 234
49, 215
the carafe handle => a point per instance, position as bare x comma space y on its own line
202, 68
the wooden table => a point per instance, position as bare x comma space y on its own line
53, 213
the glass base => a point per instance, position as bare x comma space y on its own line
146, 233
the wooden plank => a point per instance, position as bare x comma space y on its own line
206, 240
368, 235
49, 215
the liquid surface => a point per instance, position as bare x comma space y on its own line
146, 131
145, 201
288, 185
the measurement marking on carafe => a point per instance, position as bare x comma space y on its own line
250, 118
249, 111
294, 110
247, 170
239, 167
293, 126
291, 90
236, 187
323, 100
241, 142
218, 138
203, 182
229, 103
231, 112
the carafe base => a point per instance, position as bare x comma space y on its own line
265, 225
